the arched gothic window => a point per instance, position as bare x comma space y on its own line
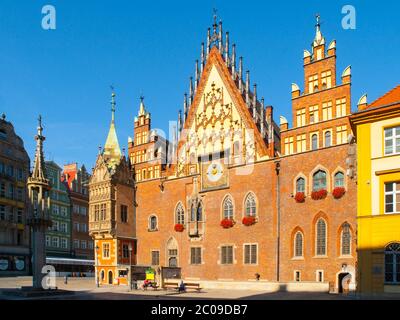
250, 204
298, 244
319, 180
180, 214
345, 239
300, 185
228, 208
392, 263
339, 180
321, 238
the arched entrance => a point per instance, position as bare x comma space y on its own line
110, 277
102, 275
344, 279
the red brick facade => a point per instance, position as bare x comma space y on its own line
308, 240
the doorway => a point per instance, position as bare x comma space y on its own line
110, 277
343, 277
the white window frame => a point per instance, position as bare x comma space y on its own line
394, 194
393, 139
317, 273
244, 254
109, 251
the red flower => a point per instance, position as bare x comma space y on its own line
249, 220
338, 192
319, 195
300, 197
227, 223
179, 227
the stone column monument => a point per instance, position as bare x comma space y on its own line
39, 207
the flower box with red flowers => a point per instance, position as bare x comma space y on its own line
249, 220
319, 195
338, 192
300, 197
227, 223
179, 227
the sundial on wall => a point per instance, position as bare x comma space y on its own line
214, 174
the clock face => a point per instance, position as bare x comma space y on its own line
215, 171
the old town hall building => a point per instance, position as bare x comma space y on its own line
235, 196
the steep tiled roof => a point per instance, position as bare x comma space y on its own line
390, 97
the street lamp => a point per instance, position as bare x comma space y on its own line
130, 266
96, 267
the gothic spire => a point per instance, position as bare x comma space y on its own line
112, 152
39, 169
319, 39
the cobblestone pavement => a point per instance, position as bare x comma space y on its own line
85, 289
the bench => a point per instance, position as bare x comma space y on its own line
171, 285
152, 285
191, 285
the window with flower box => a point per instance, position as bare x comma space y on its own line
251, 207
228, 208
319, 180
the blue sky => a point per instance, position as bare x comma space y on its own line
150, 48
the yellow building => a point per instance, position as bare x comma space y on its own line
377, 129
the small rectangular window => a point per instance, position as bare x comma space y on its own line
250, 254
106, 250
124, 214
392, 141
392, 197
227, 255
320, 276
297, 276
195, 255
155, 258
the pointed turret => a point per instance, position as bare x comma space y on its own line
112, 152
39, 169
319, 39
